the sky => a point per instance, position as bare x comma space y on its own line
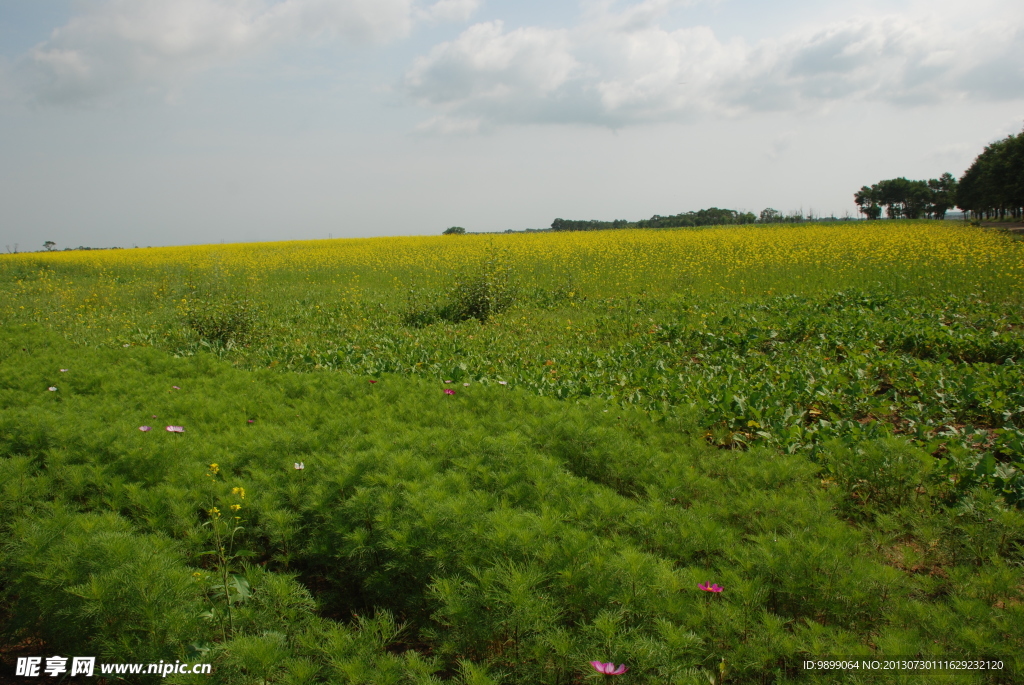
159, 122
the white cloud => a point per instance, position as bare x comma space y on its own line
623, 67
114, 45
491, 70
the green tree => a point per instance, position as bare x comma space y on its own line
454, 230
993, 186
903, 198
943, 197
867, 202
917, 199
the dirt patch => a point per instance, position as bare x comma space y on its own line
1008, 227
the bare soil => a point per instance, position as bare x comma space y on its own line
1010, 227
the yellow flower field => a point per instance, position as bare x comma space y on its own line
604, 262
314, 289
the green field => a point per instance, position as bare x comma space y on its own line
521, 454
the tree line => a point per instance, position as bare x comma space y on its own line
906, 199
712, 216
992, 188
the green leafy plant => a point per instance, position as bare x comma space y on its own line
218, 315
225, 586
480, 293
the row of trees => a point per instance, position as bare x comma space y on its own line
704, 217
589, 224
906, 199
992, 188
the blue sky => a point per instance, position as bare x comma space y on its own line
151, 122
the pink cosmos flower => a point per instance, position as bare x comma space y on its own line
708, 587
176, 387
609, 668
449, 391
251, 421
145, 429
447, 381
63, 370
52, 388
372, 381
154, 416
175, 429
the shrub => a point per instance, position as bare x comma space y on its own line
90, 582
224, 319
880, 475
479, 294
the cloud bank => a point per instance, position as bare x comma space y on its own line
621, 68
620, 64
117, 45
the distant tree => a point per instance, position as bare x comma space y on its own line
704, 217
49, 245
867, 202
903, 198
917, 200
588, 224
454, 230
943, 195
771, 216
892, 194
712, 216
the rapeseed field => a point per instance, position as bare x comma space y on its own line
915, 256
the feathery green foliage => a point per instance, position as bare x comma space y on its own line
483, 537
